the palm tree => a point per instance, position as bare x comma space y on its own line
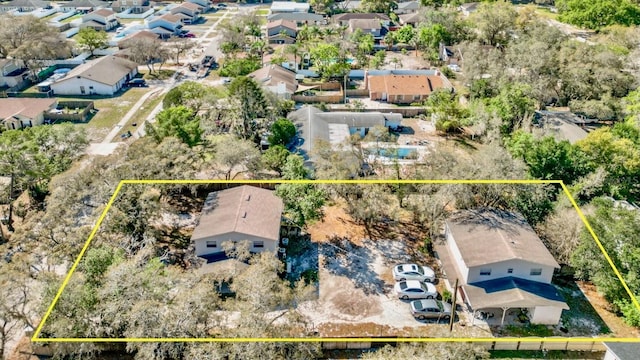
295, 50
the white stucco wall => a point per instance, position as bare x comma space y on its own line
202, 249
456, 256
546, 315
521, 269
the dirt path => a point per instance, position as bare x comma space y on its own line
615, 323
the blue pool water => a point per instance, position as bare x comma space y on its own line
398, 153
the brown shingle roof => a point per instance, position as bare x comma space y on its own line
405, 84
170, 18
144, 34
349, 16
364, 24
272, 75
190, 6
243, 209
487, 236
103, 12
107, 70
286, 23
24, 106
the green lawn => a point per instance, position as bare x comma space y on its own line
112, 109
554, 354
71, 18
262, 12
157, 75
141, 114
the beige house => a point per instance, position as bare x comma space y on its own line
243, 213
501, 264
403, 88
18, 113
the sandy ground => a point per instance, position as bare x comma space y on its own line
615, 323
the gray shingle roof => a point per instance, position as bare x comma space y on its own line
107, 70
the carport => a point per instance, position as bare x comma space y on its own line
542, 301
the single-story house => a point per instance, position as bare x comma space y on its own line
407, 7
450, 55
562, 125
24, 5
403, 89
289, 7
412, 19
101, 19
281, 32
276, 79
142, 34
502, 264
166, 25
335, 127
18, 113
103, 76
12, 72
243, 213
343, 19
621, 351
191, 12
298, 17
367, 26
204, 4
83, 6
133, 6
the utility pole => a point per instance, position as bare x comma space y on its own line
453, 306
10, 220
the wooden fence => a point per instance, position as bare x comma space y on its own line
77, 116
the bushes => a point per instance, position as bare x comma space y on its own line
239, 67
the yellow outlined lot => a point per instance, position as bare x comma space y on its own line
36, 334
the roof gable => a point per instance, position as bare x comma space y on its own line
27, 107
244, 209
106, 70
487, 236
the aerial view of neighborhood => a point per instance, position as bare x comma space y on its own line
321, 179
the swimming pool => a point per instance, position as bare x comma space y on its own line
397, 153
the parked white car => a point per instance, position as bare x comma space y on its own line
414, 289
413, 272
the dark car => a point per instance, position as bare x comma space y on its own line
137, 83
221, 5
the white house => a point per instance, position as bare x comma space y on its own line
24, 5
190, 11
103, 76
289, 7
501, 264
101, 19
12, 72
243, 213
276, 79
83, 6
204, 4
165, 25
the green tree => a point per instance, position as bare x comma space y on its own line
178, 121
494, 22
445, 107
282, 132
252, 105
90, 39
513, 105
595, 14
378, 6
548, 159
275, 157
321, 6
191, 94
429, 38
329, 60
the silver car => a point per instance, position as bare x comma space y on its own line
430, 309
404, 272
414, 289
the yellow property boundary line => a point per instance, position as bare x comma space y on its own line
36, 338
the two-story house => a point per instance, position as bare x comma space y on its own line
501, 264
281, 32
101, 19
243, 213
368, 26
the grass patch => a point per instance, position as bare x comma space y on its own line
527, 330
553, 354
262, 12
141, 115
157, 75
111, 110
71, 18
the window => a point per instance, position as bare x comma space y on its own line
510, 271
535, 272
258, 244
416, 97
485, 272
212, 244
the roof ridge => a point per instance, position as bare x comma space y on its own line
235, 222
